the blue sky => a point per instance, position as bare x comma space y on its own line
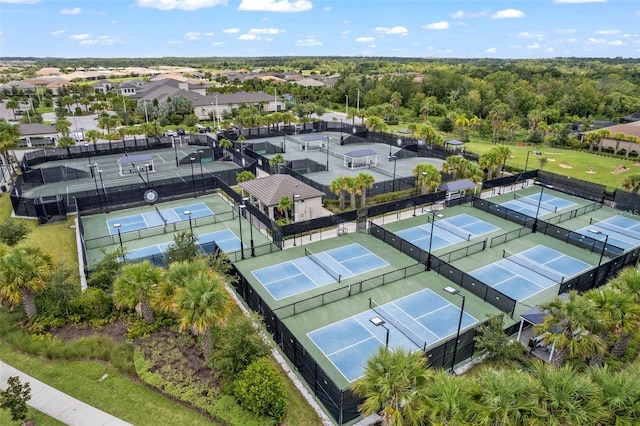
407, 28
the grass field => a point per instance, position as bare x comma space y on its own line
578, 164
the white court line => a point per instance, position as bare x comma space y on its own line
282, 279
414, 320
515, 274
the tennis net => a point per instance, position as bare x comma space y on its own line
538, 268
453, 229
620, 230
388, 317
528, 200
328, 269
160, 214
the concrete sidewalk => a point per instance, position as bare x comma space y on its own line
57, 404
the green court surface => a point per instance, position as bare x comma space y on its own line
100, 236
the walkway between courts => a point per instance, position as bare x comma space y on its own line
57, 404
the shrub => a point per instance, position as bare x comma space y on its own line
259, 388
92, 304
13, 231
236, 345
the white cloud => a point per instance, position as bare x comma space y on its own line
80, 36
180, 4
102, 40
248, 37
566, 31
272, 31
442, 25
72, 11
192, 36
217, 43
459, 14
275, 5
549, 49
539, 35
491, 50
327, 9
596, 40
364, 39
572, 40
607, 32
57, 33
231, 30
308, 42
346, 32
507, 14
20, 1
578, 1
209, 34
393, 30
615, 43
533, 46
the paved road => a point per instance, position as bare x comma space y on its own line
59, 405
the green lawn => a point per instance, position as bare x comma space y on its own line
578, 164
40, 418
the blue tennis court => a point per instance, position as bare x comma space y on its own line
528, 205
226, 240
618, 231
413, 321
152, 219
521, 275
316, 270
446, 232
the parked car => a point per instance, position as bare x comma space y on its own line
181, 132
169, 133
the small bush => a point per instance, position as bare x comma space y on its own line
259, 388
13, 231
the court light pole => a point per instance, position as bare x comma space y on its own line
117, 226
379, 322
104, 190
293, 215
253, 251
452, 290
240, 207
346, 104
86, 145
175, 150
526, 163
395, 161
534, 228
604, 247
193, 179
188, 214
201, 172
146, 170
433, 219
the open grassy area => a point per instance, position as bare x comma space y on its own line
579, 164
40, 418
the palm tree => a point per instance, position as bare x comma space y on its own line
395, 101
13, 104
567, 397
427, 105
473, 172
241, 140
225, 144
24, 271
446, 400
455, 165
392, 385
490, 161
568, 325
92, 135
276, 160
339, 187
632, 183
427, 133
503, 397
427, 177
244, 176
619, 393
365, 181
201, 304
284, 206
503, 152
135, 286
175, 278
619, 313
461, 124
497, 114
353, 188
9, 140
377, 124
